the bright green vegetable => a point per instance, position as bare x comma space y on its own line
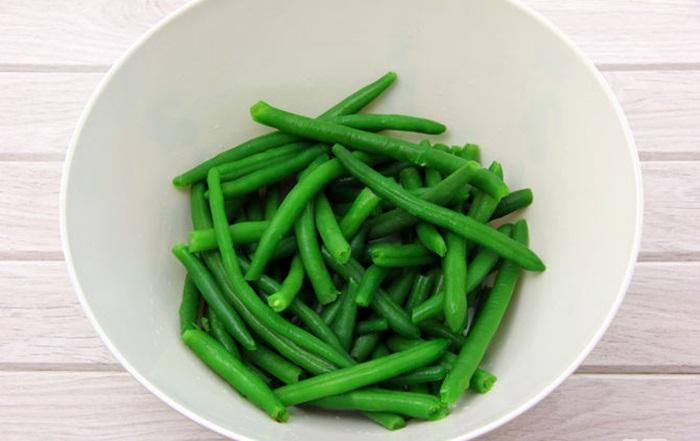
236, 169
451, 220
371, 325
189, 305
344, 323
470, 152
374, 122
218, 331
422, 406
396, 148
454, 268
360, 375
399, 289
351, 104
428, 235
362, 207
328, 228
364, 345
280, 300
512, 202
370, 282
389, 421
330, 311
421, 289
392, 255
485, 325
426, 374
272, 363
380, 351
241, 233
235, 373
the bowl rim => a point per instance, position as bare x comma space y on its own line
498, 422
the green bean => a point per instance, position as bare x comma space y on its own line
271, 174
291, 208
241, 233
421, 289
351, 104
189, 305
371, 325
389, 421
512, 202
209, 289
394, 255
310, 253
272, 201
399, 289
359, 242
330, 311
485, 325
218, 331
199, 208
396, 343
483, 206
436, 329
426, 374
254, 210
454, 267
275, 365
362, 207
482, 381
316, 324
396, 220
422, 406
381, 303
364, 345
235, 373
280, 300
370, 282
465, 226
396, 148
391, 170
428, 235
241, 167
308, 361
328, 228
374, 122
344, 323
363, 374
480, 267
470, 152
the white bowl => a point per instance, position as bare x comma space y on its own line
495, 72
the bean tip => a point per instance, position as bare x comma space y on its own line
258, 108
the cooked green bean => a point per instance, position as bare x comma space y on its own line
218, 331
199, 208
272, 201
275, 365
246, 382
428, 235
271, 174
389, 421
241, 167
371, 325
375, 122
399, 289
396, 220
483, 206
485, 325
189, 306
446, 218
482, 381
422, 406
421, 289
363, 374
512, 202
364, 345
328, 228
291, 208
241, 233
470, 152
280, 300
359, 242
436, 329
454, 268
399, 256
362, 207
371, 280
351, 104
209, 289
308, 361
330, 311
344, 323
396, 148
397, 343
425, 374
381, 303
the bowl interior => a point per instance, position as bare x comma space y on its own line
494, 73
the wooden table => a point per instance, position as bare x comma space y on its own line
59, 382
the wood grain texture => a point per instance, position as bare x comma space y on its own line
656, 329
29, 210
41, 110
75, 34
111, 405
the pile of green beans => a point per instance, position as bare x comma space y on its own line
335, 266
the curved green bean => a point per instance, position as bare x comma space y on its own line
512, 202
416, 405
328, 228
189, 306
485, 325
280, 300
235, 373
362, 207
371, 280
456, 222
363, 374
